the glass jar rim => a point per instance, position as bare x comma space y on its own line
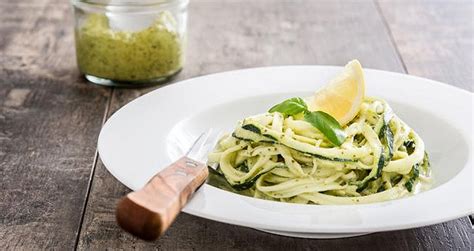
125, 3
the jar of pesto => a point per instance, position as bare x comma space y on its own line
130, 43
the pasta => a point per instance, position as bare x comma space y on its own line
284, 158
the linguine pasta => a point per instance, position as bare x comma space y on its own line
284, 158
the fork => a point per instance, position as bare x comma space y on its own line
148, 212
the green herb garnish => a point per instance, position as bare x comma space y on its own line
290, 107
324, 122
327, 125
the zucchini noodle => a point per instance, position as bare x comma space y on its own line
286, 159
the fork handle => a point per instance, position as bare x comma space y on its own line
148, 212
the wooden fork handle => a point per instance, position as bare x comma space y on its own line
148, 212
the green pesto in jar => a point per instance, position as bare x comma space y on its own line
148, 54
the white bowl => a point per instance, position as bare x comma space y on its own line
155, 129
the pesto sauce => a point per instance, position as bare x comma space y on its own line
147, 54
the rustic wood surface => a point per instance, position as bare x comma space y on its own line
55, 193
434, 38
49, 121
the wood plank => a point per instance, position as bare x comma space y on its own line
272, 33
49, 121
434, 38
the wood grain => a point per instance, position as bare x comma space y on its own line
434, 38
234, 34
148, 212
49, 121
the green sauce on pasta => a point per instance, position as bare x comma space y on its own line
289, 160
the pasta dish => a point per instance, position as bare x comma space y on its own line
302, 151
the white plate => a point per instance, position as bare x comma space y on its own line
313, 235
155, 129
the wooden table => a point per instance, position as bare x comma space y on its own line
55, 192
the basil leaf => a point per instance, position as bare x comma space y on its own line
290, 106
327, 125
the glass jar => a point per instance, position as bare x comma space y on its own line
130, 43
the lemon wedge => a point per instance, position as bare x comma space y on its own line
342, 96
